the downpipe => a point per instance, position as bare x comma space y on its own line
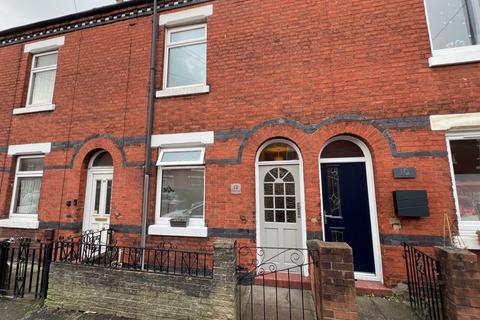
150, 115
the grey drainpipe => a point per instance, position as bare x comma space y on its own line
150, 114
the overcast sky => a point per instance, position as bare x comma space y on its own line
15, 13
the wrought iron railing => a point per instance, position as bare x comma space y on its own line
99, 237
164, 259
273, 283
423, 284
24, 268
265, 259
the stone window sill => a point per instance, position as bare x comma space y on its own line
190, 231
174, 92
19, 223
34, 109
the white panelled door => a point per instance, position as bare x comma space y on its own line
98, 201
280, 212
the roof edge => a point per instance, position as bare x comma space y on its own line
89, 19
75, 16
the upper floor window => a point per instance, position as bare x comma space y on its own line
26, 189
186, 56
453, 24
42, 79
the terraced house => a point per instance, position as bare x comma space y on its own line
269, 122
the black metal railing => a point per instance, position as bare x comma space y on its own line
163, 259
98, 237
24, 268
423, 284
273, 283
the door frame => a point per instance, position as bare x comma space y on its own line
91, 172
372, 202
298, 162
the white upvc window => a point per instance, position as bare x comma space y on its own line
181, 184
42, 79
26, 187
185, 56
464, 156
180, 192
454, 27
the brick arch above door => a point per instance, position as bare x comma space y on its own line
345, 121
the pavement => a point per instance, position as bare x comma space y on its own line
24, 309
370, 308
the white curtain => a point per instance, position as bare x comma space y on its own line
28, 195
42, 90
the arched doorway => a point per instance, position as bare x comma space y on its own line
98, 194
348, 203
280, 199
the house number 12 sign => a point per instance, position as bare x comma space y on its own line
235, 188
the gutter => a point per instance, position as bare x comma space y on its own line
150, 114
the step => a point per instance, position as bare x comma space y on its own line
283, 280
374, 288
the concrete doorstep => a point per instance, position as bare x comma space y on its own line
378, 308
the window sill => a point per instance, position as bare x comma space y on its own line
33, 109
19, 223
174, 92
468, 235
190, 231
454, 56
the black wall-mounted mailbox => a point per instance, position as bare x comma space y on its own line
411, 203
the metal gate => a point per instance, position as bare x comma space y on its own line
423, 284
267, 292
24, 268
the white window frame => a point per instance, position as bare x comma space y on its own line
196, 226
200, 161
169, 45
201, 87
467, 229
24, 174
34, 70
450, 56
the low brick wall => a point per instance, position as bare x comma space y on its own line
143, 295
460, 278
333, 282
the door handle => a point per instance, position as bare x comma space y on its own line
299, 213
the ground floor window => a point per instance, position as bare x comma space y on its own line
464, 156
181, 180
26, 189
465, 160
182, 192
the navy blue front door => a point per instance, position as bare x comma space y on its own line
347, 211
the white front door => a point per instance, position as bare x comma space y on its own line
98, 201
280, 214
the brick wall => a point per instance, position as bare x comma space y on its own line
301, 70
144, 295
332, 280
460, 276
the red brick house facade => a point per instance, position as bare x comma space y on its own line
267, 85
